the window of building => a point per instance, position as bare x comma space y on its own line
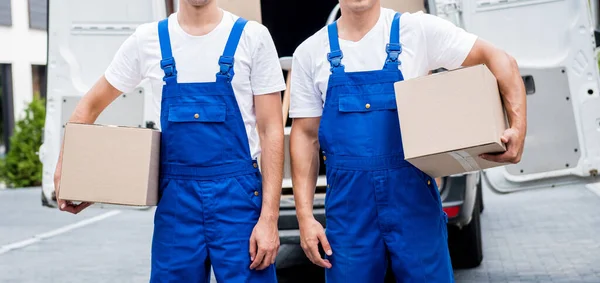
5, 13
6, 107
38, 75
38, 14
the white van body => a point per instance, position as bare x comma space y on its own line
554, 45
552, 40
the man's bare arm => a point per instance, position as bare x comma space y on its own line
270, 131
304, 153
87, 111
512, 89
264, 242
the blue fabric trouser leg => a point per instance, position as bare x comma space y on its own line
199, 223
376, 215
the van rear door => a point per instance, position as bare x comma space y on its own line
553, 42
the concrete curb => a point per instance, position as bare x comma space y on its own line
4, 188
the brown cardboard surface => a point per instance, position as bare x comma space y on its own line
107, 164
446, 164
455, 111
403, 6
247, 9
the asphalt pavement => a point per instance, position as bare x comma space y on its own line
546, 235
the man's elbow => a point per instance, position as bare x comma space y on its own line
271, 131
513, 62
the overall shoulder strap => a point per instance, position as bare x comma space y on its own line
167, 63
227, 59
393, 48
335, 55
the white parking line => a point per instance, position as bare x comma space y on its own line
594, 187
56, 232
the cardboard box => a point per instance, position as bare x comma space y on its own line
247, 9
404, 6
109, 164
447, 119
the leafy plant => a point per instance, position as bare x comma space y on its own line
22, 167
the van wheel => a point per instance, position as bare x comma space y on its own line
48, 203
465, 244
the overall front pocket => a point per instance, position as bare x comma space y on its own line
428, 184
196, 134
250, 186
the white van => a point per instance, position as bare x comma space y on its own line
552, 40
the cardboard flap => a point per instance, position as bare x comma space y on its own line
247, 9
404, 6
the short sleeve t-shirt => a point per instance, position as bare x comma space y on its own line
257, 68
428, 43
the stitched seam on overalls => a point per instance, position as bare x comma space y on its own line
381, 231
170, 250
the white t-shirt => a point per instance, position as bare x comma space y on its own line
428, 43
257, 68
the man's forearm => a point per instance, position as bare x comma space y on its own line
512, 89
272, 170
511, 86
94, 102
84, 113
304, 151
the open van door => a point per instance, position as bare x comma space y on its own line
553, 42
83, 36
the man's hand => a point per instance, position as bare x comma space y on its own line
62, 204
311, 234
264, 244
515, 141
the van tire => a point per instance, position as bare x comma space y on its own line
49, 202
465, 243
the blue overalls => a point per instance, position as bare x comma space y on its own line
379, 208
210, 188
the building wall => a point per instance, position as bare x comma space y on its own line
22, 47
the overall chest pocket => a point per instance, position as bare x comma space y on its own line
367, 103
197, 112
197, 134
364, 123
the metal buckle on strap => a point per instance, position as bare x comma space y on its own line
393, 50
225, 64
335, 59
168, 65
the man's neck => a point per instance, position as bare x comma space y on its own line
199, 21
354, 26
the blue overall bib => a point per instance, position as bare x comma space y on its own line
379, 208
210, 188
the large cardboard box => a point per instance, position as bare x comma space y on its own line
247, 9
403, 6
448, 119
109, 164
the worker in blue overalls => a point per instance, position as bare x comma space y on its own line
379, 209
220, 80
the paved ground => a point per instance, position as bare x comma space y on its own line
548, 235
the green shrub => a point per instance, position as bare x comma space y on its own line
22, 166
